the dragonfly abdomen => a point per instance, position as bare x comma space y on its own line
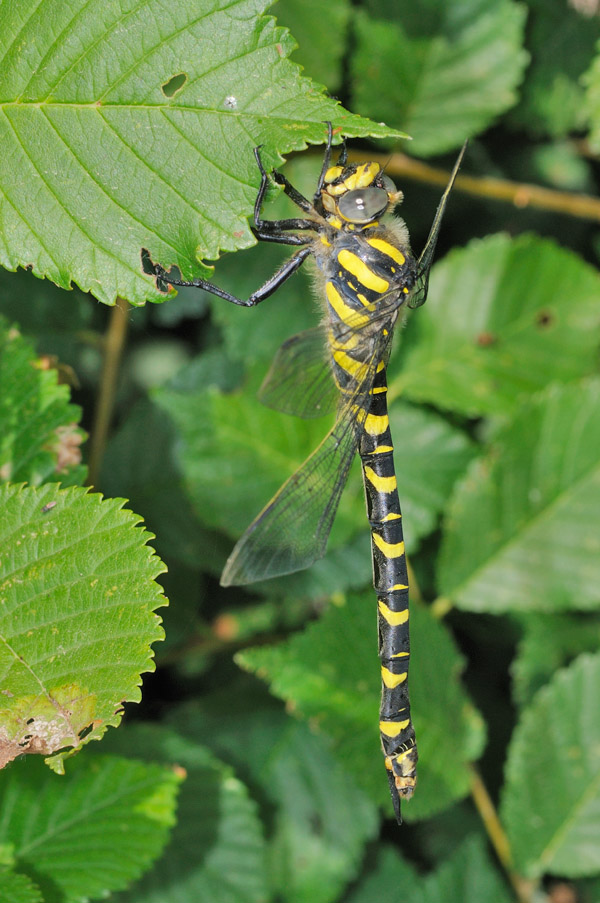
390, 579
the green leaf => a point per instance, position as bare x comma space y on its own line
470, 874
591, 80
18, 888
127, 125
68, 832
318, 820
503, 318
330, 675
216, 852
549, 643
467, 875
152, 482
233, 441
390, 873
321, 35
78, 594
551, 799
448, 79
522, 528
39, 436
561, 39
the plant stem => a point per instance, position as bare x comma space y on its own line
114, 344
523, 889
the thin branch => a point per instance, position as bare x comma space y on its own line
113, 351
520, 194
523, 889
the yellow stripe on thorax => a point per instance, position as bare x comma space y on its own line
361, 271
386, 248
393, 618
389, 549
382, 449
381, 484
343, 310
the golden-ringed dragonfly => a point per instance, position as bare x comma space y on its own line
366, 272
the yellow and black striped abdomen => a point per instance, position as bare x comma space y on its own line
390, 579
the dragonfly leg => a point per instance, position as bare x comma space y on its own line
164, 279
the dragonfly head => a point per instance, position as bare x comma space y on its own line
358, 194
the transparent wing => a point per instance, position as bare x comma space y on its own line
291, 532
299, 380
419, 295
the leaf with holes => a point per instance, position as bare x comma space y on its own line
129, 124
77, 599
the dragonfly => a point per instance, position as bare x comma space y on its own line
366, 272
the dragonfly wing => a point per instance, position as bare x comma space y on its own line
291, 532
419, 295
299, 380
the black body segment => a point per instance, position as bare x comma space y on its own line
367, 272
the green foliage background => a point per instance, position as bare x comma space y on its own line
130, 123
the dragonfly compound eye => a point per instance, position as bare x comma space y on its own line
363, 204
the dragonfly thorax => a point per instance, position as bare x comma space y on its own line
357, 195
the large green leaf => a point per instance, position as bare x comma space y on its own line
522, 531
217, 851
318, 820
77, 617
442, 73
330, 675
92, 831
503, 318
551, 800
39, 435
129, 124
